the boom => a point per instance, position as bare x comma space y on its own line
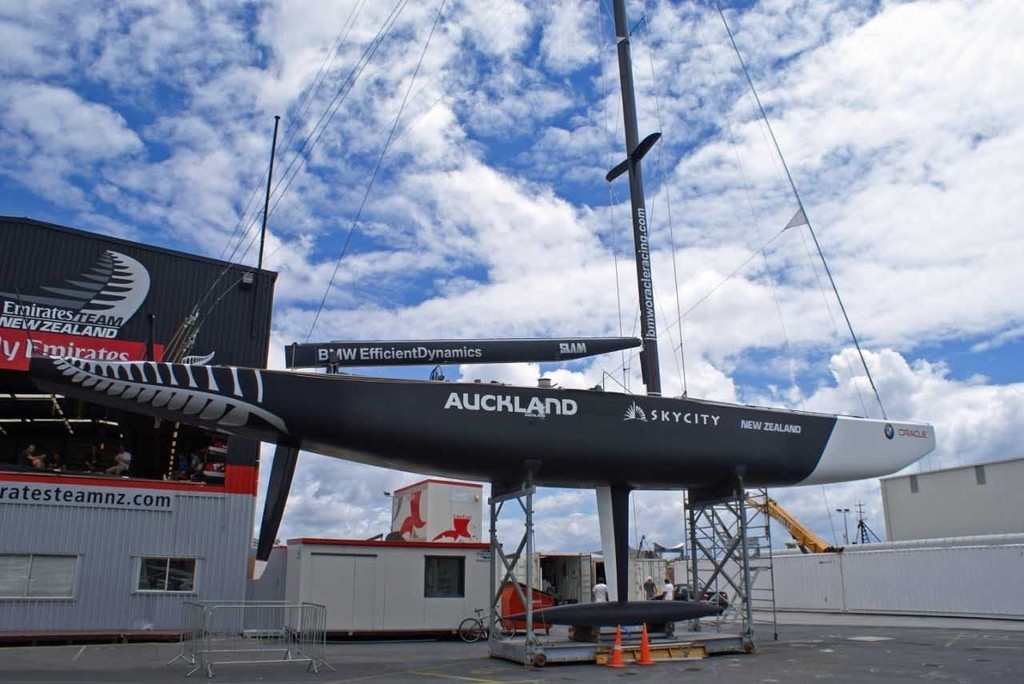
807, 540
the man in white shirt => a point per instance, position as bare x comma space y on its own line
600, 590
122, 462
667, 590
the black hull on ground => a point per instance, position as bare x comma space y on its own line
494, 433
611, 613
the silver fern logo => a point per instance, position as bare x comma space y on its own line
226, 396
95, 303
634, 412
198, 360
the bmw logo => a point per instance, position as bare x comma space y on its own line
889, 431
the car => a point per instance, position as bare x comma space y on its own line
684, 592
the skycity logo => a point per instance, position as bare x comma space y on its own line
511, 403
635, 412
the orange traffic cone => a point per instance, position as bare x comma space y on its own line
645, 649
616, 660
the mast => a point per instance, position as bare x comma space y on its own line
635, 150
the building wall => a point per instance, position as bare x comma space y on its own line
211, 523
270, 586
971, 500
203, 523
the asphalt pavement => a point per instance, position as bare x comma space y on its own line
832, 648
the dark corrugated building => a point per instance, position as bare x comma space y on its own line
83, 549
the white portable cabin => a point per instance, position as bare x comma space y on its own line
430, 573
389, 586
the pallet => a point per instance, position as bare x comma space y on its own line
659, 652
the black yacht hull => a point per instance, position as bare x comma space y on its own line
493, 433
621, 613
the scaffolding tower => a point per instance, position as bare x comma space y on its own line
731, 558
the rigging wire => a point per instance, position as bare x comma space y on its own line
302, 109
184, 335
615, 263
376, 170
831, 315
340, 40
625, 358
733, 273
306, 103
666, 185
763, 251
341, 94
495, 27
800, 205
183, 338
828, 510
307, 146
793, 223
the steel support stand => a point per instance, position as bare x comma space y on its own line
722, 554
533, 652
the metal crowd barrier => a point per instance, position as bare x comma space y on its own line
253, 632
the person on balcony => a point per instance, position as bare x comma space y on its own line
122, 462
30, 459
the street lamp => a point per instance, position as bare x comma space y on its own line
846, 529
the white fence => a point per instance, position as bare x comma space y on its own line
253, 632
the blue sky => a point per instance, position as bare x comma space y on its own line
489, 217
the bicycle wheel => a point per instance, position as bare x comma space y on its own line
505, 628
470, 630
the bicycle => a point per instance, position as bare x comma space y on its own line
473, 628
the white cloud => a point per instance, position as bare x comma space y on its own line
568, 40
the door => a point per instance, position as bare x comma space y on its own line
347, 585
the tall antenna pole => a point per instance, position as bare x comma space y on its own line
635, 150
266, 200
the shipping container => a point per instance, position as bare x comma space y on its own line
962, 577
573, 575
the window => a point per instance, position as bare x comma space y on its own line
913, 484
166, 574
979, 474
444, 577
37, 576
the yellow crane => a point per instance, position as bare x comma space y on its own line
807, 540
